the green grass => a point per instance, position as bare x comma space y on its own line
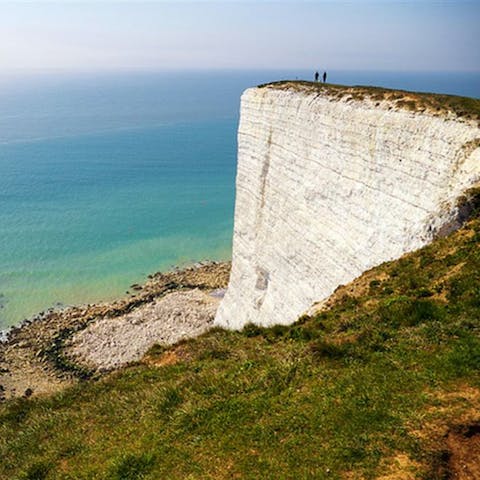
337, 395
438, 104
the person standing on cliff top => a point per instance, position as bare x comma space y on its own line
324, 77
316, 76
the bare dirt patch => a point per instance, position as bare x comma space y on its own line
451, 432
171, 356
463, 452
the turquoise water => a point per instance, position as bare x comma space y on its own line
105, 179
88, 216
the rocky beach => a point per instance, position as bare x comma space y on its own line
58, 348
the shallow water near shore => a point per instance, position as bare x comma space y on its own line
107, 178
89, 216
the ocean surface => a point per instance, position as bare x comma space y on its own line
107, 178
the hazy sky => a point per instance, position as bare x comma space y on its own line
361, 34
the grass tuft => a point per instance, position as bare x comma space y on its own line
131, 466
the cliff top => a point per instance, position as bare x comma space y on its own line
433, 103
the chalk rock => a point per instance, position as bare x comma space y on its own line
329, 187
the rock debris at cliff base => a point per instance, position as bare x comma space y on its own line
34, 359
112, 342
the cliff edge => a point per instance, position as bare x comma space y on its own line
332, 181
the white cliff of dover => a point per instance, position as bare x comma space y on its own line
331, 183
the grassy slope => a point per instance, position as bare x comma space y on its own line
368, 386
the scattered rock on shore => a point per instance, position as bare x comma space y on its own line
112, 342
34, 355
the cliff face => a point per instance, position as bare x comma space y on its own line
329, 186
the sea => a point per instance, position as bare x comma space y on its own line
108, 177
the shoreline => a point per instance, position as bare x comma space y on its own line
130, 292
36, 357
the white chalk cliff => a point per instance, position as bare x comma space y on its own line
329, 185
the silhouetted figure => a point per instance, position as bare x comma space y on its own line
324, 77
316, 76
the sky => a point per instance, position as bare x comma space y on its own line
110, 35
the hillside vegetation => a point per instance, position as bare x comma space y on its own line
383, 383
